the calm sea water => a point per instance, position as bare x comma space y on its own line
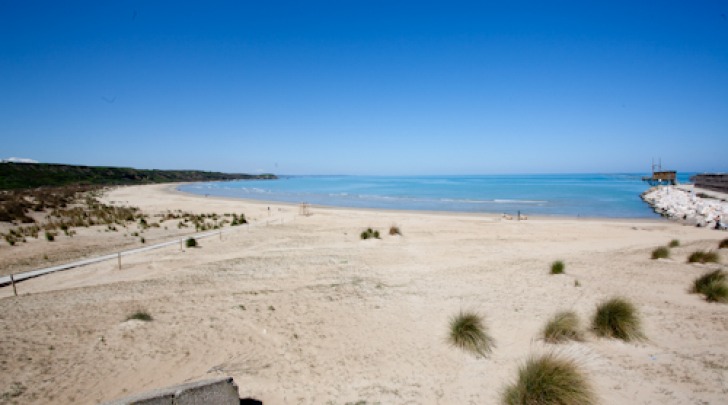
590, 195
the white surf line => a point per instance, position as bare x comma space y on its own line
5, 280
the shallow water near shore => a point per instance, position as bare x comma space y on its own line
587, 195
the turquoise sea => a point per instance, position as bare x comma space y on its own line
585, 195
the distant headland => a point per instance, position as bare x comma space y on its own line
29, 175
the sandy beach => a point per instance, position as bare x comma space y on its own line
299, 310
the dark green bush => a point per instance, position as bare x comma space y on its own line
191, 242
557, 267
661, 252
703, 257
140, 316
369, 233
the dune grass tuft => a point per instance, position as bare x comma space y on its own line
713, 286
191, 242
394, 230
617, 318
549, 379
674, 243
700, 256
140, 316
661, 252
468, 332
723, 244
557, 267
562, 327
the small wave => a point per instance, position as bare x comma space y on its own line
520, 201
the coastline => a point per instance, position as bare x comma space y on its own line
688, 205
173, 188
299, 309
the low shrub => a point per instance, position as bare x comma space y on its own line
549, 379
661, 252
50, 236
703, 257
562, 327
674, 243
617, 318
713, 286
394, 230
557, 267
140, 316
723, 244
370, 233
469, 333
191, 242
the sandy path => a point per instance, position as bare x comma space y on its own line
306, 312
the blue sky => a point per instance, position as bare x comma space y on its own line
367, 87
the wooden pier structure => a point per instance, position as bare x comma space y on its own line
660, 176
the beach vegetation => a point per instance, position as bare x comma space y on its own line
700, 256
674, 243
562, 327
370, 233
469, 333
557, 267
140, 315
662, 252
712, 285
191, 242
723, 244
50, 236
394, 230
617, 318
549, 379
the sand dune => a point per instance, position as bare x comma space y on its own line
303, 311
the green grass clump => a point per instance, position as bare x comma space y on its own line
713, 286
661, 252
468, 332
617, 318
674, 243
562, 327
370, 233
700, 256
549, 379
140, 316
557, 267
191, 242
723, 244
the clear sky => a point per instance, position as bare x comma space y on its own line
367, 87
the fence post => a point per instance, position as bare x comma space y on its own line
118, 257
12, 281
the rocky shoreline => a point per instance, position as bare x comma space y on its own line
696, 207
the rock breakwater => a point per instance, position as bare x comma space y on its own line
687, 204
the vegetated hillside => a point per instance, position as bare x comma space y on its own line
29, 175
